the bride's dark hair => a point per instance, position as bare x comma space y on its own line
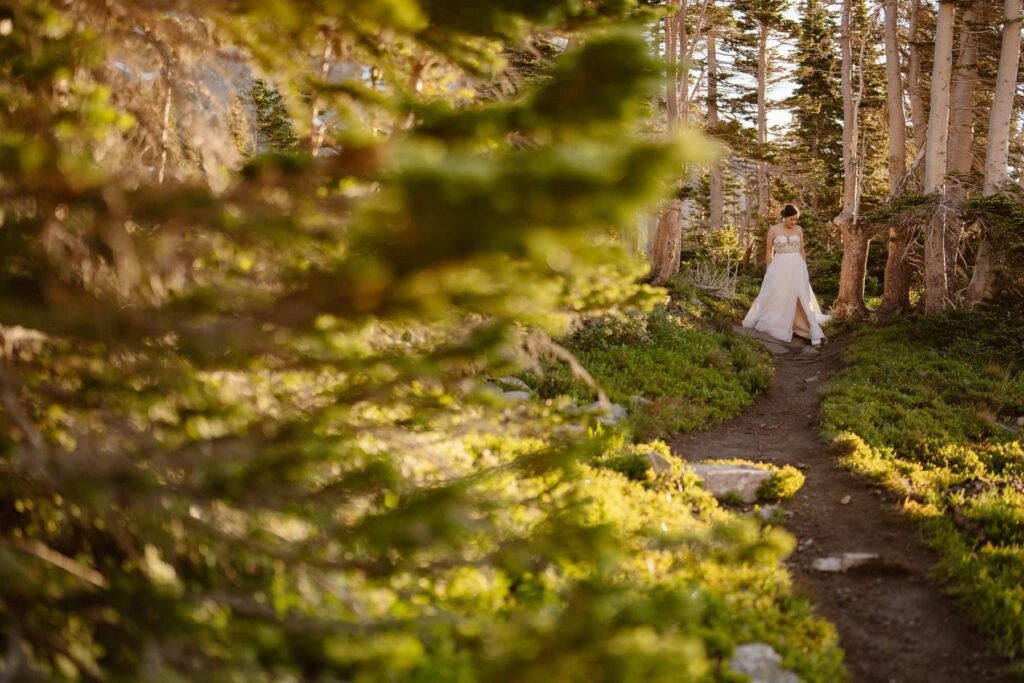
789, 210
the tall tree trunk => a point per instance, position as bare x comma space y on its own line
165, 131
747, 229
668, 246
671, 83
961, 131
896, 290
668, 243
717, 217
683, 84
318, 127
985, 279
762, 129
855, 240
918, 116
935, 287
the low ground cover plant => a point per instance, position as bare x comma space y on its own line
934, 409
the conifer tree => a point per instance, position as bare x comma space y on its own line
817, 103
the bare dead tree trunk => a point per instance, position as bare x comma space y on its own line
717, 218
961, 131
747, 229
762, 128
668, 241
850, 301
935, 287
317, 126
985, 279
165, 131
918, 116
896, 288
671, 83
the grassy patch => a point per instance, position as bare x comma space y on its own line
933, 408
670, 369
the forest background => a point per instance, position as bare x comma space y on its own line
339, 335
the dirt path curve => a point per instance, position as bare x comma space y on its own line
894, 623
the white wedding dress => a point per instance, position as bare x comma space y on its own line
786, 285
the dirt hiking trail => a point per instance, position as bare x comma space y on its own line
895, 623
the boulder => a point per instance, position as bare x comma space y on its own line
607, 416
659, 463
742, 481
761, 663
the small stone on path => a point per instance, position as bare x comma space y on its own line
845, 500
840, 563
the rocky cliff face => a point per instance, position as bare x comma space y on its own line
210, 121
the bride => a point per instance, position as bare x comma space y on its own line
786, 304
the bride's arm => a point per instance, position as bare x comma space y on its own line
802, 252
770, 246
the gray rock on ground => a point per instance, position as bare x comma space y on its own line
776, 346
762, 663
607, 416
840, 563
659, 463
722, 480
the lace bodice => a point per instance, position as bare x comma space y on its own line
787, 244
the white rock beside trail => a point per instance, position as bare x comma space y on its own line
723, 480
762, 663
840, 563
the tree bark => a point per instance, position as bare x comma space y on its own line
762, 129
669, 243
896, 287
855, 241
918, 116
671, 84
961, 131
717, 201
984, 280
165, 130
317, 126
935, 286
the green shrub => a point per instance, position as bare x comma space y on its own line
784, 484
671, 371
